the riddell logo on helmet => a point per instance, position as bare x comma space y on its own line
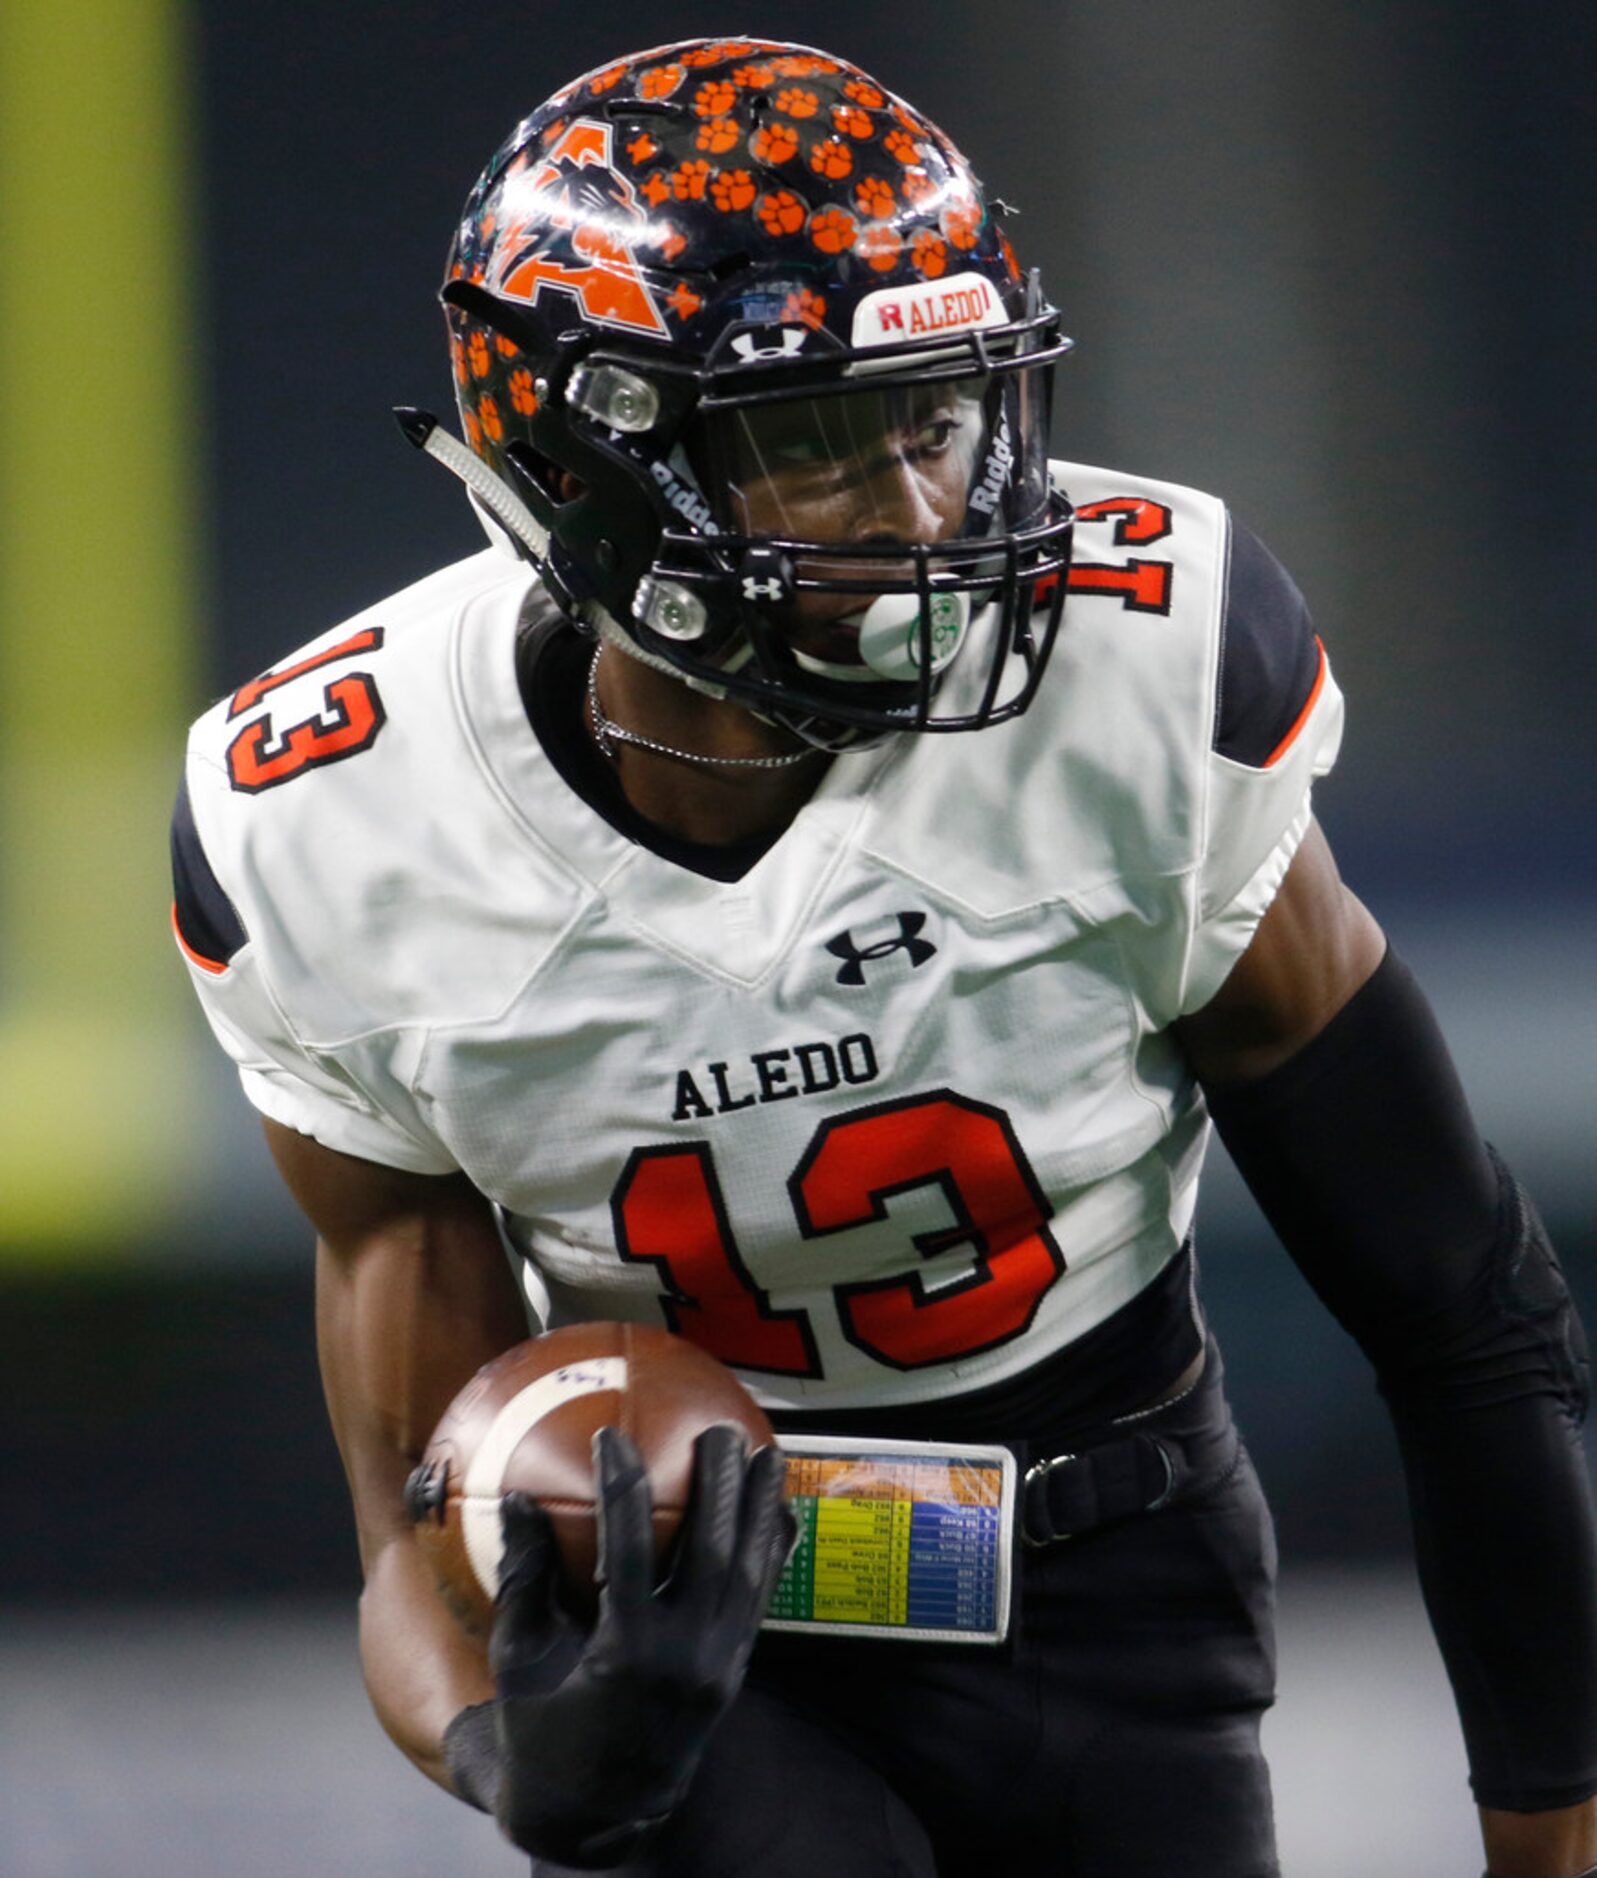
687, 502
989, 491
562, 230
926, 310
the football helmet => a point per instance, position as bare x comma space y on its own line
763, 392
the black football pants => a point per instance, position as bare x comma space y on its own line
1118, 1737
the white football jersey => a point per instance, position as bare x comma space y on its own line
894, 1115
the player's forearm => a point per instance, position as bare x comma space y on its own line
1556, 1844
1507, 1556
420, 1665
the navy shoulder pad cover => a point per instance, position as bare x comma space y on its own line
207, 920
1269, 656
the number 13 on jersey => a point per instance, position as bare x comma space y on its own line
669, 1211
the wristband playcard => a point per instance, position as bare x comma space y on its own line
902, 1539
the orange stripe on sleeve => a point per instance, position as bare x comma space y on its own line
213, 966
1304, 715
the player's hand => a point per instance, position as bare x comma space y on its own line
600, 1732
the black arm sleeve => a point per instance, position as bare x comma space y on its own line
1363, 1155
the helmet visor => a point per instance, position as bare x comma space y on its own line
873, 463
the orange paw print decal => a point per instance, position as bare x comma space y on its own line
797, 102
707, 55
874, 198
773, 143
714, 98
457, 357
506, 348
832, 159
849, 121
522, 395
607, 80
899, 143
641, 148
929, 252
477, 352
718, 135
753, 77
493, 424
861, 91
806, 306
834, 231
661, 80
916, 184
733, 189
880, 246
474, 432
781, 213
962, 223
690, 180
684, 302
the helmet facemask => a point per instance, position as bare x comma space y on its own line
867, 526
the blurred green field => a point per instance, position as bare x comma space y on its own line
101, 455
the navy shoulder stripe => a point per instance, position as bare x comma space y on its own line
207, 921
1269, 656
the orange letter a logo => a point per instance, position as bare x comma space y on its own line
569, 230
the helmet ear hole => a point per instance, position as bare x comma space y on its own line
559, 485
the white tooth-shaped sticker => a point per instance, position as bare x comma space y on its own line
889, 634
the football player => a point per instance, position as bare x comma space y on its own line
810, 883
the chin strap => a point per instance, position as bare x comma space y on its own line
491, 490
833, 739
614, 634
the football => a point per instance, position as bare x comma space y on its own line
526, 1421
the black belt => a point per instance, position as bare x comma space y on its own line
1063, 1495
1072, 1493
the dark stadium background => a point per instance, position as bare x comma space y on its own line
1333, 262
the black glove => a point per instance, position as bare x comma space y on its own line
596, 1735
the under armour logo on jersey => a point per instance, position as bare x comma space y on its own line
906, 940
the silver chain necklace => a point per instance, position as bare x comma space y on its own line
609, 734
